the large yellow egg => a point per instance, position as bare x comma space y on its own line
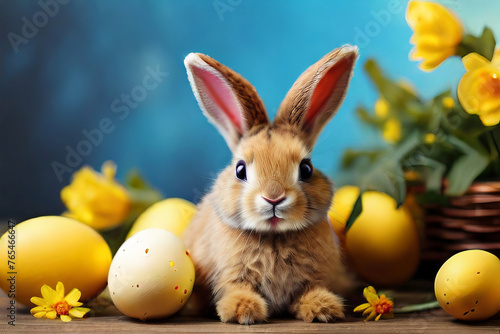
467, 285
171, 214
49, 249
151, 275
383, 243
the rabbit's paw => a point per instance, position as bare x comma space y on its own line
243, 306
318, 303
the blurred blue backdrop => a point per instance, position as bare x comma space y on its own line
69, 67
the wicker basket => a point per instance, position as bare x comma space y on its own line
470, 221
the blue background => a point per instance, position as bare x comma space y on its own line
64, 79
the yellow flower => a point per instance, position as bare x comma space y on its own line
437, 33
54, 304
479, 88
429, 138
376, 307
448, 102
96, 199
392, 130
381, 108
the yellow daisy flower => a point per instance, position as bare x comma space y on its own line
53, 303
377, 307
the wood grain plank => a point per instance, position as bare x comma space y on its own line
110, 320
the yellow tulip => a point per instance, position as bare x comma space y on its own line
392, 130
96, 199
437, 33
479, 88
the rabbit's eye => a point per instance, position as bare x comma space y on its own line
305, 169
241, 170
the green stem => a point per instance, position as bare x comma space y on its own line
494, 142
418, 307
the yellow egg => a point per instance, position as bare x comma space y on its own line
467, 285
151, 275
341, 208
49, 249
383, 243
171, 214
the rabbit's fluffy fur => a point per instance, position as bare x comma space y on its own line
263, 244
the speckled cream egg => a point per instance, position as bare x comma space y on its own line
151, 275
467, 286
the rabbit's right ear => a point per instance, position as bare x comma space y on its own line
317, 94
228, 100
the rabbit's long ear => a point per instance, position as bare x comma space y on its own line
228, 100
318, 93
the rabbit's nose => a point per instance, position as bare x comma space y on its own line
273, 192
275, 202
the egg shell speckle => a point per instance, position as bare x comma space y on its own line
142, 282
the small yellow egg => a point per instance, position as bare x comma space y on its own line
171, 214
383, 243
467, 285
49, 249
151, 275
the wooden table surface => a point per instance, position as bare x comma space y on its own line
108, 319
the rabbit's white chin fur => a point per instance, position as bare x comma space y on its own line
273, 224
269, 218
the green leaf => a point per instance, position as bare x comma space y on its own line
437, 111
351, 156
432, 198
417, 307
356, 211
368, 118
467, 167
434, 171
459, 122
418, 112
484, 44
135, 180
387, 177
396, 95
386, 173
142, 194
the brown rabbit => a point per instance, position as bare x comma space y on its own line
261, 240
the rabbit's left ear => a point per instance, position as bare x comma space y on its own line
318, 93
